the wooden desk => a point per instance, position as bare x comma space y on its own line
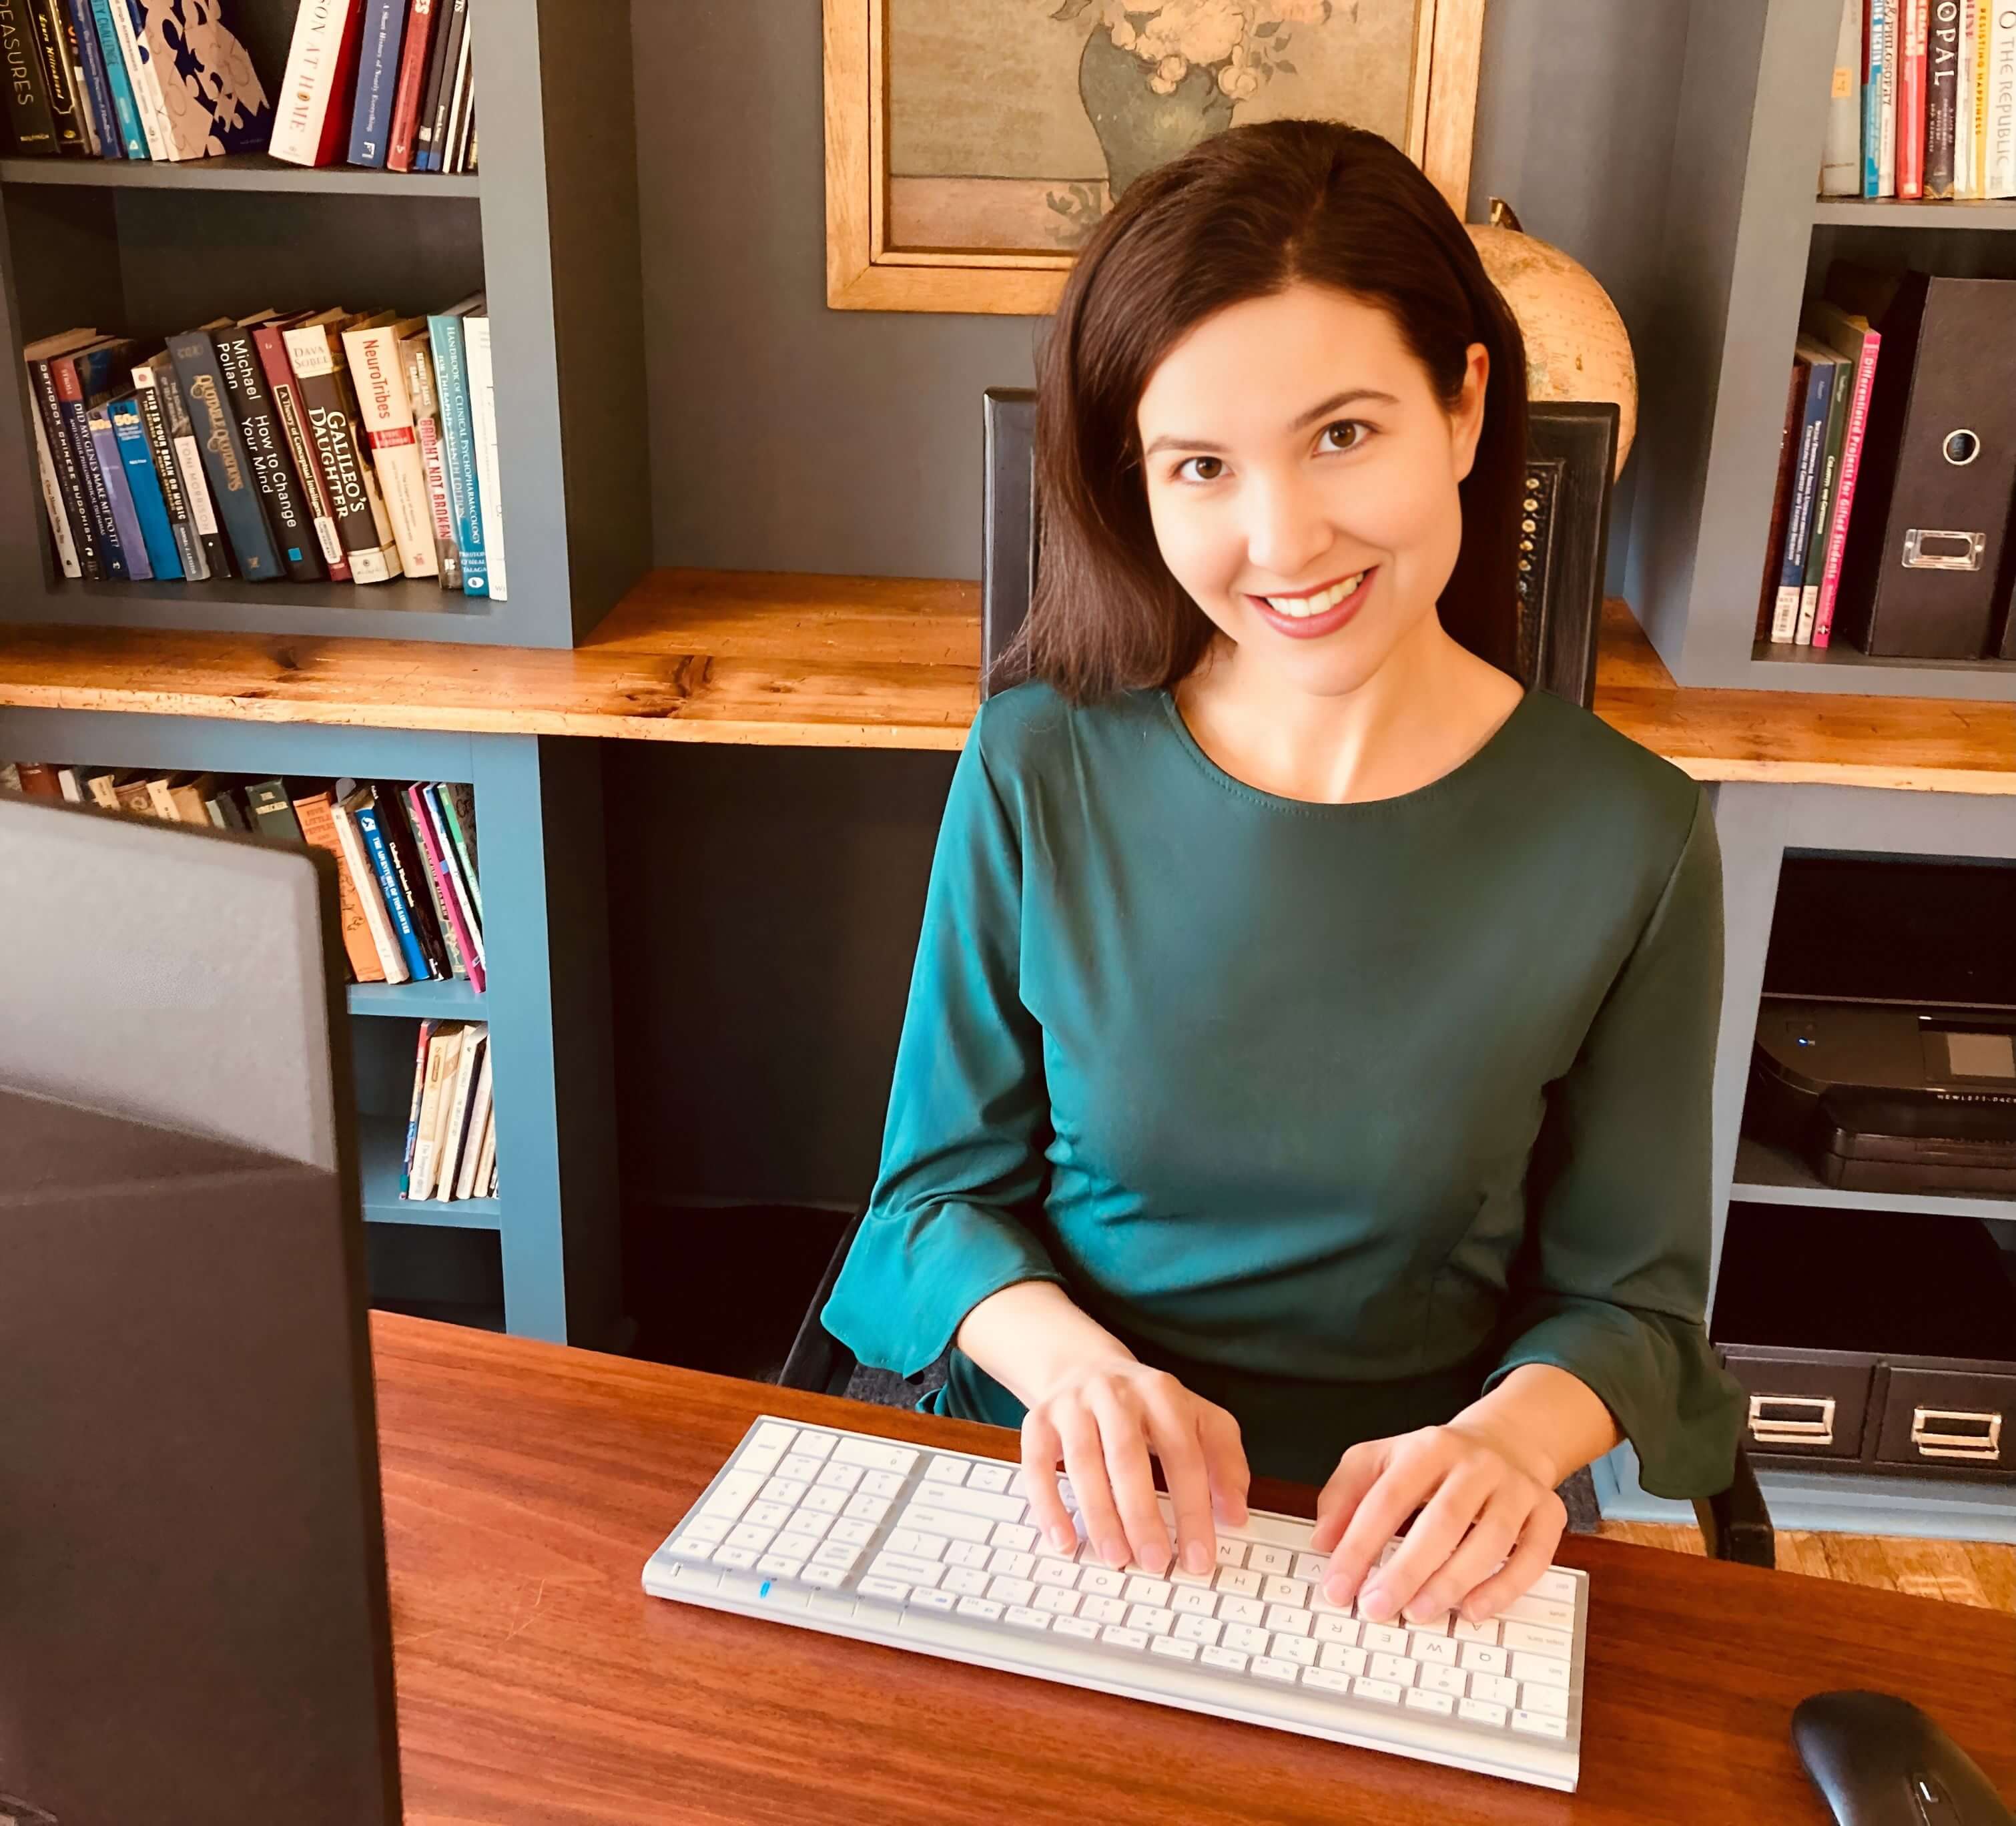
526, 1484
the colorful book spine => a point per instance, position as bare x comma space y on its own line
1966, 179
316, 814
451, 906
52, 502
125, 520
169, 477
139, 72
412, 85
189, 460
1984, 43
430, 138
30, 125
1851, 467
437, 809
232, 486
70, 483
1942, 96
1840, 163
424, 883
458, 805
483, 424
459, 451
418, 368
2001, 176
273, 362
1799, 524
312, 112
143, 484
386, 415
206, 94
329, 417
1823, 498
66, 104
125, 104
1911, 100
97, 503
278, 488
90, 57
1887, 103
413, 1109
377, 917
377, 79
363, 809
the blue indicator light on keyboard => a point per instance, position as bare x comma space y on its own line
763, 1591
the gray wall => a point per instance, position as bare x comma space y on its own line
787, 437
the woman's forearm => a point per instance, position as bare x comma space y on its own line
1550, 1421
1026, 1335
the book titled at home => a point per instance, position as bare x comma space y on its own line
311, 117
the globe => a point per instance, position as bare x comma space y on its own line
1576, 344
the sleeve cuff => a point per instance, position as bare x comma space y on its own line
1658, 1375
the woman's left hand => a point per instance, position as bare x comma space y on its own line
1483, 1500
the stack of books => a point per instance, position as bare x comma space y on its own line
1924, 101
353, 446
411, 900
384, 83
451, 1124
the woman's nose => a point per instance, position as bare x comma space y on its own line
1287, 531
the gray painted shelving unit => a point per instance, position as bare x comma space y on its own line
550, 229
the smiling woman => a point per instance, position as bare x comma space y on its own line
1308, 1062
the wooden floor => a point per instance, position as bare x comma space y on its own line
1960, 1571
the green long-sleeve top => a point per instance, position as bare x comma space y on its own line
1338, 1113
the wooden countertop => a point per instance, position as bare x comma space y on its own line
799, 660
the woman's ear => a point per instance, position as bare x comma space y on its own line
1466, 423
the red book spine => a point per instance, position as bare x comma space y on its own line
1851, 467
465, 940
413, 81
1911, 100
280, 373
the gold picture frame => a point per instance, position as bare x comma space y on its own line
943, 236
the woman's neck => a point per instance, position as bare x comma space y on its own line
1428, 708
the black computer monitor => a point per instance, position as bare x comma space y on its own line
193, 1617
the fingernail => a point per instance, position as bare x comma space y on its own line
1195, 1558
1113, 1553
1063, 1539
1338, 1589
1374, 1602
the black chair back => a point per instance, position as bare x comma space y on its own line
1571, 454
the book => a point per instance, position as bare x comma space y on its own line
53, 501
1840, 160
147, 101
1798, 522
377, 916
273, 811
70, 481
167, 389
377, 78
413, 1107
386, 415
31, 129
271, 464
1884, 24
274, 363
449, 906
112, 469
37, 779
81, 378
312, 113
66, 105
143, 485
2000, 174
406, 99
443, 1055
1911, 98
315, 812
330, 411
191, 550
486, 1165
1823, 494
1941, 95
71, 781
1984, 40
423, 884
361, 802
458, 804
177, 798
417, 363
132, 794
430, 138
73, 54
125, 104
437, 812
479, 1117
225, 812
1965, 179
1850, 336
226, 466
410, 866
455, 81
483, 427
199, 80
455, 1124
458, 431
88, 55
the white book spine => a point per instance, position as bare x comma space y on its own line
2001, 148
486, 1165
479, 1120
1841, 164
447, 1159
53, 501
1963, 179
145, 85
444, 1050
386, 413
483, 423
384, 941
1886, 138
308, 90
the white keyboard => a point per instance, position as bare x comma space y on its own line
856, 1535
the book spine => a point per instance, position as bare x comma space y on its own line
1964, 184
125, 521
432, 132
272, 353
422, 833
447, 1159
95, 145
436, 810
456, 82
331, 427
1911, 101
97, 503
2002, 102
226, 464
396, 903
1851, 467
89, 55
212, 100
30, 124
453, 924
427, 1147
1984, 41
479, 1126
1886, 133
420, 376
149, 505
125, 104
377, 917
407, 865
140, 74
413, 1107
65, 105
1784, 627
70, 478
387, 419
377, 75
266, 449
1941, 96
458, 805
168, 474
459, 451
189, 462
412, 85
483, 424
1841, 163
315, 812
52, 502
312, 103
1824, 499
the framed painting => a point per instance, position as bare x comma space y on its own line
971, 146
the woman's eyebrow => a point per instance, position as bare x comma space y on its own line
1350, 397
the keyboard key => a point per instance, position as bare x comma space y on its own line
1196, 1629
1192, 1602
990, 1477
1442, 1679
1437, 1625
966, 1500
1014, 1564
1384, 1692
1325, 1680
1294, 1623
809, 1522
785, 1489
966, 1553
1154, 1591
1543, 1668
965, 1579
1344, 1661
1481, 1659
1439, 1650
1226, 1660
839, 1476
835, 1553
1182, 1576
710, 1527
1024, 1619
1558, 1585
1241, 1610
1014, 1534
1330, 1626
1240, 1584
1426, 1699
1176, 1647
1496, 1688
1486, 1631
801, 1465
1106, 1581
1058, 1572
1385, 1638
826, 1502
1151, 1618
737, 1557
1293, 1592
768, 1514
1553, 1700
1545, 1613
882, 1483
826, 1576
1517, 1636
933, 1601
853, 1534
732, 1494
694, 1547
775, 1433
988, 1608
905, 1566
1395, 1668
947, 1471
1231, 1553
1299, 1649
907, 1540
1103, 1610
1123, 1638
1267, 1668
1262, 1558
780, 1565
891, 1588
928, 1518
1481, 1711
874, 1456
1075, 1626
747, 1534
1015, 1591
1540, 1725
864, 1508
815, 1444
1245, 1637
1312, 1567
1055, 1598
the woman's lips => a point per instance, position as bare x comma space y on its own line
1314, 627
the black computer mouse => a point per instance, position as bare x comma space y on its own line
1877, 1760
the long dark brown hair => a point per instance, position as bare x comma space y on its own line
1245, 215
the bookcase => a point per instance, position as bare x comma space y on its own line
1746, 239
548, 228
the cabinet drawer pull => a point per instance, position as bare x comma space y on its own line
1985, 1445
1811, 1422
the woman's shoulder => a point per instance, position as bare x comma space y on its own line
1032, 728
1588, 769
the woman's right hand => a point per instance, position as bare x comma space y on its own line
1102, 1419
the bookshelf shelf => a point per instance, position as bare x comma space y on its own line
1775, 666
239, 171
381, 1149
447, 999
1890, 213
1766, 1175
405, 608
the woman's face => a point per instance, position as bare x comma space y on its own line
1294, 448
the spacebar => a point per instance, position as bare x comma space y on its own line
1283, 1532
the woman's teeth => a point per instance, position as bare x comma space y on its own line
1301, 606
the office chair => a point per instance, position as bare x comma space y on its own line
1572, 450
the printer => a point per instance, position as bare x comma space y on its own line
1883, 1096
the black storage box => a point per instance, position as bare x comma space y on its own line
1870, 1341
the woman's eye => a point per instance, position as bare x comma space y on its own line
1186, 463
1355, 427
1355, 431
